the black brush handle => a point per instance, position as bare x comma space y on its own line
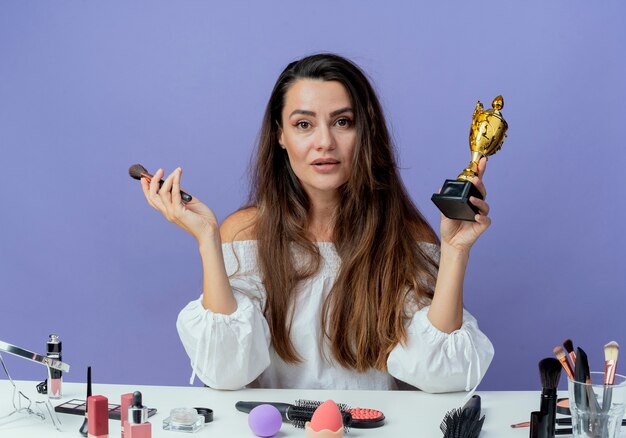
186, 197
247, 406
472, 406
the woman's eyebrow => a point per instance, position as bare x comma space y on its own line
341, 111
313, 114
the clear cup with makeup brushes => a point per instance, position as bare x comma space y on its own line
597, 409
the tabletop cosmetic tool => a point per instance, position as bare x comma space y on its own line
184, 420
137, 171
53, 363
20, 402
297, 414
463, 422
550, 374
98, 422
138, 425
84, 429
362, 418
561, 421
562, 358
55, 377
327, 422
569, 347
611, 353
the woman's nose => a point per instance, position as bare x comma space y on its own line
324, 139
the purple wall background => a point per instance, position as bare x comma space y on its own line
88, 88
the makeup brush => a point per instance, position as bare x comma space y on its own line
84, 428
562, 357
611, 353
569, 347
464, 422
137, 171
584, 395
550, 374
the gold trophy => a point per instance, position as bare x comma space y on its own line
486, 136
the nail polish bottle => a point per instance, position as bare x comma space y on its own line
138, 425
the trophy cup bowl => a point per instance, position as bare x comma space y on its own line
487, 133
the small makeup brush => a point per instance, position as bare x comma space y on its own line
569, 347
582, 375
611, 353
562, 357
137, 171
85, 426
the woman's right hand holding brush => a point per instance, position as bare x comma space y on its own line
199, 221
194, 217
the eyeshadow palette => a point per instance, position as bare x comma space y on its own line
77, 407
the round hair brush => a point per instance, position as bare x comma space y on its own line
137, 171
463, 422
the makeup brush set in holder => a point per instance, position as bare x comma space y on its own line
596, 399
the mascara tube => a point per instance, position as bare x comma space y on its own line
55, 377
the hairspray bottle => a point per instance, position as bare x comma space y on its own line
55, 377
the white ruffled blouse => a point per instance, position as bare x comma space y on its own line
233, 351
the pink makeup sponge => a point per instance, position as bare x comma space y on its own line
327, 417
265, 420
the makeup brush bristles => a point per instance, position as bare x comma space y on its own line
137, 170
550, 372
611, 353
562, 358
463, 422
569, 347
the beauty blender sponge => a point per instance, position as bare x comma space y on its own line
265, 420
327, 417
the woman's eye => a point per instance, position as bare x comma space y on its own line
344, 122
303, 125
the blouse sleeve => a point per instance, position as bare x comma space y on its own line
228, 351
435, 361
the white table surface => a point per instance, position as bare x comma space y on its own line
408, 413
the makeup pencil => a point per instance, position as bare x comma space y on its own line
84, 429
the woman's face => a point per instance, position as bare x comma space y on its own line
319, 134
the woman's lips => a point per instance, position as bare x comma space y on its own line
325, 166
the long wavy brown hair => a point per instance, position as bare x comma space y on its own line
376, 230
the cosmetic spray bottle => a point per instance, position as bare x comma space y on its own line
138, 425
55, 377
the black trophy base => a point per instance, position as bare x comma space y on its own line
453, 201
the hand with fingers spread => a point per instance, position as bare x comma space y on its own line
460, 234
194, 217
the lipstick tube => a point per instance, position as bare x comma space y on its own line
55, 377
98, 421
